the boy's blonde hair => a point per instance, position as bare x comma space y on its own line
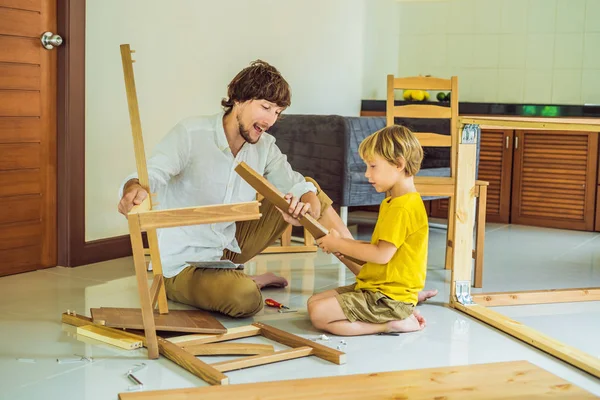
393, 143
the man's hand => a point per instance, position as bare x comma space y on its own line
330, 242
296, 208
133, 195
315, 205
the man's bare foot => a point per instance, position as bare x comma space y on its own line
425, 295
269, 279
414, 323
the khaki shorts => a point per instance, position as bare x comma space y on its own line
372, 307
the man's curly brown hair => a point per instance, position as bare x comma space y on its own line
259, 81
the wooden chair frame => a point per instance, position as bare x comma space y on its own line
439, 140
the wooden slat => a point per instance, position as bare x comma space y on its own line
229, 349
20, 129
20, 209
20, 76
23, 234
422, 111
568, 125
20, 259
16, 22
157, 285
199, 215
232, 333
503, 380
17, 182
289, 249
17, 103
319, 350
121, 339
19, 156
167, 349
33, 5
537, 297
433, 139
571, 355
423, 83
262, 359
20, 50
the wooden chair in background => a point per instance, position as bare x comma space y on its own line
427, 185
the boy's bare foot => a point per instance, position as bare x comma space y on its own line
425, 295
269, 279
415, 322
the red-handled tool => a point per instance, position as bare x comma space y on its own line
273, 303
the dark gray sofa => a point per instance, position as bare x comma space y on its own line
325, 147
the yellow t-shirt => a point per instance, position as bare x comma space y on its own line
403, 222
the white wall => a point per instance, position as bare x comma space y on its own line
507, 51
187, 51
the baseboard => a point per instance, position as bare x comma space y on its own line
105, 249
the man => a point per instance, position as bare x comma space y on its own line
194, 166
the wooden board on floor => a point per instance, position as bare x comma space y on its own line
123, 339
515, 380
537, 297
194, 321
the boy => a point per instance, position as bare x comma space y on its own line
387, 285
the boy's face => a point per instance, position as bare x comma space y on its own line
256, 116
381, 174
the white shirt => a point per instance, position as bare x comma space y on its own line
193, 166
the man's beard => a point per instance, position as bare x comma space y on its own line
245, 133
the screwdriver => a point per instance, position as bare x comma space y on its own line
273, 303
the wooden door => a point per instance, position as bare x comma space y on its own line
495, 167
554, 179
27, 136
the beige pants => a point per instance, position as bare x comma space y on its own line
231, 292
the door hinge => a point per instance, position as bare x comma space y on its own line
463, 293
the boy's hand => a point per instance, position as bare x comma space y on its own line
297, 209
329, 242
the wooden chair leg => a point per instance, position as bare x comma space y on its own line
286, 238
139, 260
480, 235
449, 234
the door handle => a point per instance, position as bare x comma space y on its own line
516, 142
507, 142
50, 40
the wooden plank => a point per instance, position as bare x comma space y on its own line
157, 286
289, 249
160, 296
167, 349
389, 103
20, 129
20, 50
263, 359
503, 380
33, 5
232, 333
102, 334
19, 182
319, 350
422, 83
433, 139
20, 156
191, 363
271, 193
428, 189
20, 76
195, 321
139, 262
422, 111
534, 123
464, 217
480, 214
199, 215
537, 297
14, 22
229, 349
571, 355
20, 103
